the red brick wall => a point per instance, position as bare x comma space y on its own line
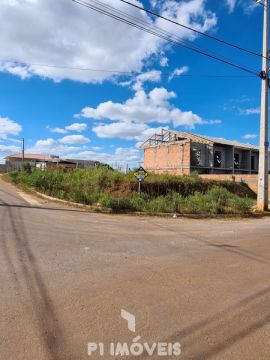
171, 159
175, 159
250, 180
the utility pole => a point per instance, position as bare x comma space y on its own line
22, 153
262, 199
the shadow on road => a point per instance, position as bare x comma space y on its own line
225, 328
234, 323
41, 208
211, 336
5, 249
233, 249
51, 332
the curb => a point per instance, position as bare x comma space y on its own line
66, 202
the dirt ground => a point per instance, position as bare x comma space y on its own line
66, 274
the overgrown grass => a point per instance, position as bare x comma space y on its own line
160, 193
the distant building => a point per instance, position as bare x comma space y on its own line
3, 168
43, 161
84, 163
180, 153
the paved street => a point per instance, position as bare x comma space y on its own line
66, 274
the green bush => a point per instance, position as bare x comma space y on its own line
14, 176
117, 204
160, 193
138, 202
241, 205
217, 201
159, 204
27, 167
196, 204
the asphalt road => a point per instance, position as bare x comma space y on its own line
65, 275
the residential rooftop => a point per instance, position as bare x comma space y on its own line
170, 136
42, 157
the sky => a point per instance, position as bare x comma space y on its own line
81, 85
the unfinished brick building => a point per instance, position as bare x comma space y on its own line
180, 153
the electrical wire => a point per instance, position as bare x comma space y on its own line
192, 29
258, 2
162, 35
71, 67
124, 73
151, 27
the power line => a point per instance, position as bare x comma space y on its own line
151, 26
72, 67
167, 38
258, 2
192, 29
214, 76
124, 73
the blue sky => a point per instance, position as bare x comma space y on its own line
105, 116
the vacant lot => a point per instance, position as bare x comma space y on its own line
160, 193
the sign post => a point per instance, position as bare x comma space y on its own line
140, 175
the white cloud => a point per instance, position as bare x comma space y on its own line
247, 6
190, 13
138, 81
150, 76
231, 5
125, 130
249, 136
127, 155
74, 139
6, 150
121, 156
144, 107
48, 38
122, 130
177, 72
51, 146
250, 111
12, 140
14, 69
163, 61
153, 76
46, 143
79, 127
8, 127
213, 122
58, 130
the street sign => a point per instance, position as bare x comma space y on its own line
140, 175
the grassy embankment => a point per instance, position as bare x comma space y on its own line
160, 193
